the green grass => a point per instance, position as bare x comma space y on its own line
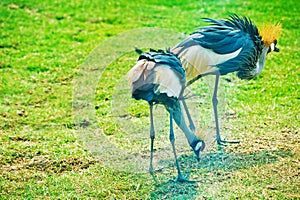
45, 44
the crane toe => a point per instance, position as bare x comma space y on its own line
180, 178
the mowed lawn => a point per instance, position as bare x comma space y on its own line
44, 47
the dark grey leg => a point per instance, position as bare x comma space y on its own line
215, 106
152, 136
179, 178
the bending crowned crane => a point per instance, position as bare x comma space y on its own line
159, 78
226, 46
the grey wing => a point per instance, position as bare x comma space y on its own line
221, 40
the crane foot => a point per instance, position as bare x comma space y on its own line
182, 179
151, 170
224, 142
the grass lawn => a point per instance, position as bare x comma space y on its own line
69, 131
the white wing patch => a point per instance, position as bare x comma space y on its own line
198, 60
142, 67
168, 81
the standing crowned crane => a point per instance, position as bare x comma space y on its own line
226, 46
159, 78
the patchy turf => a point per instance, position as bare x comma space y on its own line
44, 44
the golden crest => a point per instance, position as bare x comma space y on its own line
270, 33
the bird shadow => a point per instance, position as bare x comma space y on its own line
217, 164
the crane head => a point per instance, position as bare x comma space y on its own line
270, 34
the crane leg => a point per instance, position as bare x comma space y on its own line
191, 123
215, 106
180, 177
152, 136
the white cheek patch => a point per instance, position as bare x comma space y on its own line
272, 46
198, 146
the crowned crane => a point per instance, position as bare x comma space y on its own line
159, 78
225, 46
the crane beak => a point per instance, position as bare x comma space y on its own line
276, 49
